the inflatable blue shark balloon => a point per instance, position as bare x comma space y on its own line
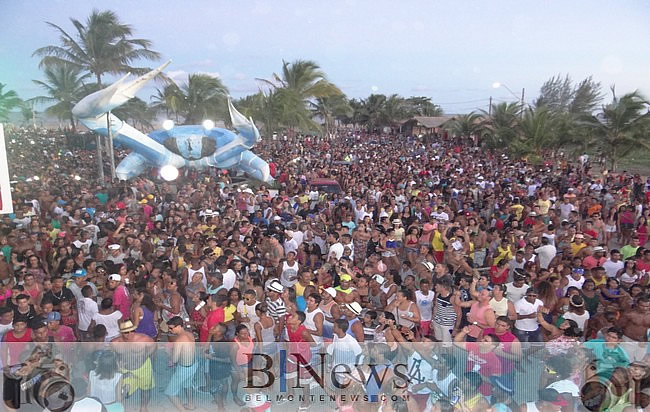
181, 146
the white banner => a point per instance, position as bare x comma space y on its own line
6, 205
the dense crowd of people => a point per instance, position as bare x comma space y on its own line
435, 241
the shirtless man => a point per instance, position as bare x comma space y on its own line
134, 352
184, 357
344, 292
635, 323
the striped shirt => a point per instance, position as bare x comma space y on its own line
276, 309
445, 311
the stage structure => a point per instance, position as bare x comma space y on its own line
174, 147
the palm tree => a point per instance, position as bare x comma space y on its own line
329, 109
501, 125
260, 106
371, 111
537, 134
63, 86
203, 97
422, 106
137, 113
103, 45
28, 113
622, 126
299, 84
467, 125
8, 101
396, 109
168, 100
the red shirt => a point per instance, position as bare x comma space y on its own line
122, 302
498, 278
64, 334
213, 318
488, 364
17, 345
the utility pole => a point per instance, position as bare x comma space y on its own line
522, 101
100, 162
490, 107
111, 152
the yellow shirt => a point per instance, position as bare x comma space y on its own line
575, 248
503, 254
300, 289
217, 251
436, 241
544, 206
229, 313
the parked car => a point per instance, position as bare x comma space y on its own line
326, 185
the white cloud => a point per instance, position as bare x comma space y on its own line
177, 75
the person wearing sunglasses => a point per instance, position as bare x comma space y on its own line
527, 325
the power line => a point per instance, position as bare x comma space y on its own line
467, 101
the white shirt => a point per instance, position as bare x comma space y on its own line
298, 236
440, 216
111, 322
87, 310
248, 311
523, 307
424, 303
545, 254
579, 319
337, 248
229, 279
290, 246
566, 209
515, 293
347, 343
612, 268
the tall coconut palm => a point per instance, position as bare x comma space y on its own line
537, 134
262, 108
501, 124
102, 45
422, 106
203, 97
622, 126
329, 109
299, 83
371, 111
8, 101
28, 113
168, 100
137, 113
396, 109
64, 87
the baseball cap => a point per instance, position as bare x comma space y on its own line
115, 277
345, 278
79, 273
331, 292
53, 316
114, 246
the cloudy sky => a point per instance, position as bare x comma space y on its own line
451, 51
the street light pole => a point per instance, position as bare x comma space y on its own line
496, 85
110, 145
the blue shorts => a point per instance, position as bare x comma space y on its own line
181, 379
